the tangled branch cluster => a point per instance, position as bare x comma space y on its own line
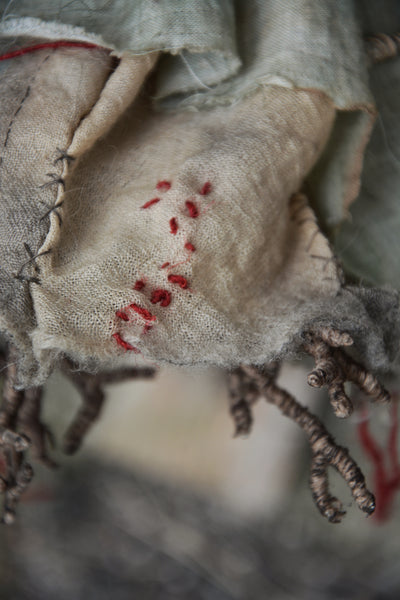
22, 431
333, 367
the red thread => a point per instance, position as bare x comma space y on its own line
386, 481
192, 208
139, 285
190, 247
124, 344
163, 186
161, 296
206, 189
59, 44
150, 202
173, 225
164, 265
143, 312
179, 280
121, 315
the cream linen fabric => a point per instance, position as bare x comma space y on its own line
43, 98
253, 274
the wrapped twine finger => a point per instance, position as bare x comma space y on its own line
90, 388
329, 506
341, 403
30, 425
325, 451
323, 445
333, 368
14, 492
92, 403
12, 398
243, 393
362, 378
382, 46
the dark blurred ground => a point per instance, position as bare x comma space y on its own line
101, 528
99, 532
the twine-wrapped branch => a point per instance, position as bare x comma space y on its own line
333, 368
22, 431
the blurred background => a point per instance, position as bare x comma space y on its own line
162, 503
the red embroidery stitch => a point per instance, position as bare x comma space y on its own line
190, 247
162, 296
386, 481
179, 280
173, 225
147, 328
164, 265
143, 312
206, 189
124, 344
150, 202
192, 208
121, 315
139, 285
163, 186
59, 44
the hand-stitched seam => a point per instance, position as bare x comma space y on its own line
31, 260
55, 180
139, 285
160, 295
28, 90
150, 202
55, 210
63, 155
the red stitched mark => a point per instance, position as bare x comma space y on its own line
147, 328
150, 202
190, 247
59, 44
124, 344
121, 315
163, 185
165, 265
173, 225
192, 208
143, 312
206, 189
386, 480
179, 280
139, 285
161, 296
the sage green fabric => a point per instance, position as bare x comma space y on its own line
368, 243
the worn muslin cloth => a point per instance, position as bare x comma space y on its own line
147, 183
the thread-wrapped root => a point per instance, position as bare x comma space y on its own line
382, 46
14, 491
242, 394
325, 451
31, 426
333, 368
14, 441
21, 428
91, 390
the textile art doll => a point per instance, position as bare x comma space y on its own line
173, 176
